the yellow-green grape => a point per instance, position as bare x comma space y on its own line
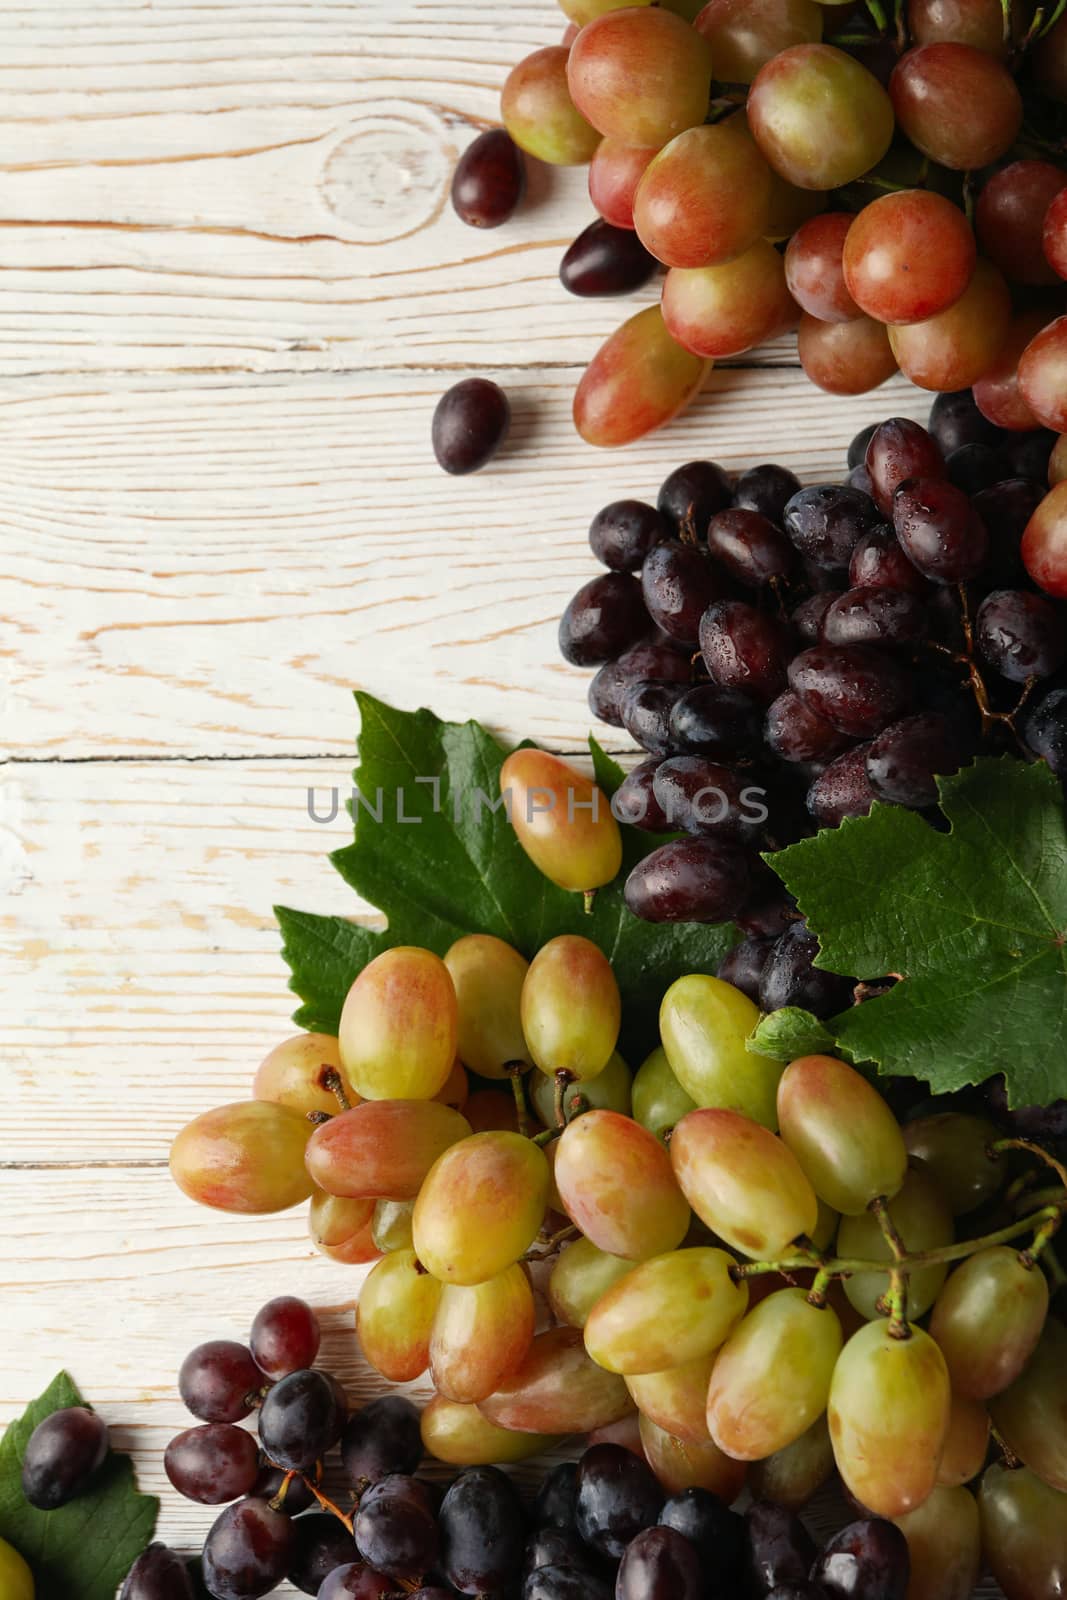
676, 1399
391, 1227
537, 110
826, 1225
842, 1132
1024, 1533
581, 1274
608, 1091
488, 976
658, 1099
743, 1182
558, 1389
246, 1157
383, 1149
988, 1319
481, 1335
671, 1309
16, 1579
704, 1024
1031, 1415
343, 1229
945, 1545
293, 1074
680, 1464
923, 1220
889, 1412
583, 11
561, 818
481, 1207
793, 1476
395, 1316
953, 1146
615, 1181
399, 1026
571, 1010
966, 1442
462, 1437
772, 1376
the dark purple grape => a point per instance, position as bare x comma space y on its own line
219, 1381
842, 789
1005, 509
298, 1497
791, 978
557, 1497
974, 467
702, 797
482, 1532
1043, 1124
769, 908
826, 521
606, 693
321, 1544
904, 759
743, 965
646, 715
212, 1464
868, 1560
357, 1582
715, 1532
745, 649
657, 660
396, 1527
618, 1496
767, 489
470, 424
879, 562
1045, 731
899, 450
1020, 634
622, 534
660, 1564
246, 1553
797, 1591
434, 1592
605, 617
285, 1336
857, 450
489, 180
955, 421
808, 617
158, 1574
856, 687
679, 583
690, 496
565, 1583
795, 732
750, 547
780, 1548
556, 1547
712, 721
605, 260
875, 616
1028, 454
634, 801
382, 1438
62, 1453
859, 478
939, 529
299, 1420
689, 880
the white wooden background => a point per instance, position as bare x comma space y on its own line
232, 290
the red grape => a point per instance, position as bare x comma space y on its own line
679, 582
814, 270
731, 307
1010, 216
825, 522
842, 790
745, 649
640, 75
605, 260
857, 688
623, 533
1050, 61
604, 618
908, 256
212, 1464
940, 530
794, 732
745, 34
749, 546
1054, 235
1043, 375
538, 112
878, 562
691, 494
1044, 546
489, 181
1057, 461
820, 118
689, 880
957, 347
705, 197
845, 357
958, 105
1020, 634
976, 22
637, 381
875, 616
996, 393
896, 450
285, 1336
791, 207
614, 173
470, 423
903, 760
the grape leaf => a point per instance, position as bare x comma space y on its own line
85, 1549
973, 919
788, 1033
435, 852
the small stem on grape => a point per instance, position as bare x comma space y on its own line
817, 1292
1005, 8
900, 23
332, 1080
1042, 1237
545, 1137
327, 1504
588, 901
1010, 1458
563, 1081
1032, 1149
319, 1117
577, 1107
278, 1503
515, 1070
896, 1297
552, 1244
1057, 12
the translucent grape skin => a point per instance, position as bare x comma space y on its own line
395, 1316
343, 1229
480, 1335
813, 268
247, 1551
845, 357
742, 1182
957, 347
658, 1099
245, 1157
488, 976
956, 104
539, 113
922, 1218
459, 1232
470, 423
605, 260
157, 1574
672, 1308
294, 1073
771, 1379
679, 583
1024, 1533
639, 379
843, 1134
660, 1561
617, 1497
731, 306
614, 173
1044, 545
461, 1436
704, 1025
395, 1527
1029, 1415
562, 820
382, 1148
908, 256
212, 1464
570, 1007
399, 1026
676, 1398
62, 1453
612, 86
868, 1558
705, 197
819, 117
603, 1160
623, 534
219, 1381
940, 530
604, 618
1043, 375
689, 880
988, 1320
489, 181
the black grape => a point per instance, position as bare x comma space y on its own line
955, 421
62, 1453
857, 450
767, 489
879, 562
381, 1438
470, 424
489, 180
298, 1497
605, 617
1005, 509
843, 789
690, 496
749, 546
743, 965
825, 523
605, 260
285, 1336
875, 616
790, 977
974, 467
646, 715
689, 880
212, 1464
899, 450
795, 732
359, 1582
299, 1420
320, 1545
623, 533
745, 649
1021, 635
1028, 453
565, 1583
941, 532
780, 1548
769, 908
557, 1497
219, 1381
635, 799
679, 582
246, 1553
904, 759
618, 1495
660, 1564
396, 1527
716, 1533
1045, 731
711, 721
158, 1574
856, 687
556, 1547
702, 797
808, 617
482, 1532
657, 660
868, 1560
608, 689
1044, 1124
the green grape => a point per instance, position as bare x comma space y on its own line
246, 1157
481, 1207
395, 1316
826, 1225
583, 11
677, 1398
538, 111
1024, 1533
658, 1099
615, 1181
562, 819
945, 1544
640, 76
608, 1091
743, 1182
16, 1579
772, 1376
924, 1222
571, 1009
966, 1443
292, 1074
462, 1437
343, 1229
558, 1389
383, 1149
581, 1274
953, 1145
793, 1476
399, 1026
481, 1335
704, 1023
888, 1414
1031, 1415
680, 1464
639, 380
819, 117
488, 976
988, 1319
842, 1133
671, 1309
391, 1227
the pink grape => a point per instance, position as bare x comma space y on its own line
845, 357
745, 34
957, 347
614, 174
1054, 236
1043, 375
1010, 216
538, 112
820, 118
956, 104
705, 197
726, 309
638, 380
640, 75
908, 256
1044, 546
996, 393
814, 269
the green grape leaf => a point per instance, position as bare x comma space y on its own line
786, 1034
435, 853
85, 1549
973, 920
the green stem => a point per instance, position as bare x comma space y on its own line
515, 1070
877, 12
897, 1294
563, 1080
1033, 1150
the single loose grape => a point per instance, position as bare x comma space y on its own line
61, 1455
247, 1157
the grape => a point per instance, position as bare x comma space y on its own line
582, 1273
842, 1133
731, 306
489, 181
293, 1074
358, 1582
841, 790
646, 716
399, 1026
745, 649
691, 495
247, 1157
680, 1465
606, 616
689, 880
956, 104
1044, 546
640, 76
966, 1442
1006, 509
1054, 235
157, 1574
716, 1533
463, 1437
807, 618
605, 260
488, 976
538, 111
559, 1547
606, 693
867, 1560
219, 1381
657, 660
480, 1335
396, 1529
703, 797
997, 392
672, 1308
819, 117
1010, 217
976, 22
1024, 1533
1021, 635
614, 173
565, 1583
770, 909
813, 268
958, 346
845, 357
583, 11
676, 1398
988, 1320
704, 198
742, 1182
791, 1477
381, 1439
395, 1316
1030, 454
902, 762
62, 1453
321, 1545
875, 616
679, 583
899, 450
826, 521
639, 379
556, 1501
623, 534
953, 1146
745, 34
908, 256
772, 1377
482, 1528
940, 530
570, 1007
1045, 731
956, 421
857, 688
247, 1551
602, 1161
660, 1564
635, 800
343, 1229
617, 1498
562, 820
470, 423
609, 1090
780, 1548
796, 733
301, 1418
382, 1148
767, 490
749, 546
888, 1413
711, 721
212, 1464
976, 467
924, 1221
743, 968
1043, 375
659, 1101
1029, 1415
704, 1025
460, 1232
